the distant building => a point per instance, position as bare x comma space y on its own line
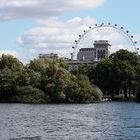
51, 56
86, 54
103, 48
100, 51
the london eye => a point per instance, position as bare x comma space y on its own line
118, 37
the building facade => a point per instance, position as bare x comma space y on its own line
51, 56
100, 51
86, 54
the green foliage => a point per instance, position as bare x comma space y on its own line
62, 64
47, 81
117, 74
10, 68
39, 65
55, 84
103, 75
79, 90
97, 93
8, 61
28, 94
33, 78
124, 55
85, 69
7, 84
60, 85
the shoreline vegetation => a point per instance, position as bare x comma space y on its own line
47, 81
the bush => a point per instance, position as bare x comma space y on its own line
79, 90
28, 94
97, 93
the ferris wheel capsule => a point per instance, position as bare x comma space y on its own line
102, 24
103, 27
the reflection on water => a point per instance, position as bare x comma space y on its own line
102, 121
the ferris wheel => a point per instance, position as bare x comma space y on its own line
119, 38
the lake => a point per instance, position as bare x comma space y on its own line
100, 121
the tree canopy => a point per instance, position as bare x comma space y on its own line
117, 75
49, 81
42, 81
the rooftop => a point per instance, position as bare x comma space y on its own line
101, 42
87, 49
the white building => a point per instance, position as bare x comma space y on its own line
51, 56
86, 54
100, 51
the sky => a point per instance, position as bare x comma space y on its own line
31, 27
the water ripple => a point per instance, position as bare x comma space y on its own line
102, 121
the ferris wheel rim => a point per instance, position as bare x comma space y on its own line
120, 30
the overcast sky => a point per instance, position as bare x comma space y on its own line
30, 27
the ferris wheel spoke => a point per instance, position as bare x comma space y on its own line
104, 27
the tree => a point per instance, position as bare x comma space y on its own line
84, 69
125, 55
117, 73
7, 84
12, 73
103, 76
80, 90
52, 78
8, 61
43, 81
126, 62
28, 94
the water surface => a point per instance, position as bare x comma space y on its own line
101, 121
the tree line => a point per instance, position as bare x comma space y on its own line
49, 81
118, 75
43, 81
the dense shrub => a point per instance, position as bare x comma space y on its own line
44, 81
97, 93
28, 94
